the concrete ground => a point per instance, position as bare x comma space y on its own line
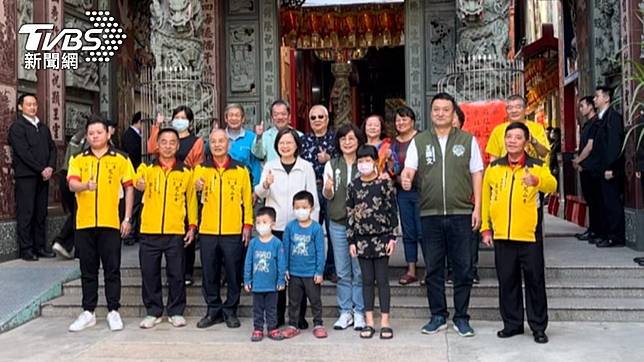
46, 339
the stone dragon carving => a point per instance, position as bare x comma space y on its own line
484, 29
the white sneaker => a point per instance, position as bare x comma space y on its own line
114, 321
344, 322
358, 321
177, 321
84, 320
149, 322
60, 250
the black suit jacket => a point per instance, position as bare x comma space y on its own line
32, 148
131, 144
611, 137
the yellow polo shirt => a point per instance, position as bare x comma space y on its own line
496, 144
100, 208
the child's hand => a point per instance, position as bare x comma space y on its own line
353, 251
318, 279
247, 288
281, 287
391, 247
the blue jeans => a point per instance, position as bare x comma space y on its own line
349, 288
409, 209
329, 264
449, 236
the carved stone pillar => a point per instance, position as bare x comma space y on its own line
415, 59
212, 37
8, 89
341, 94
105, 78
606, 41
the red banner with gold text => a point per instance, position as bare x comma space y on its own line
481, 118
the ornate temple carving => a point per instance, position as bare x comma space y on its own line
82, 5
484, 28
25, 16
442, 38
86, 75
243, 58
607, 39
341, 94
241, 7
76, 115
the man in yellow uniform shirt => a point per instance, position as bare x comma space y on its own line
96, 176
226, 225
537, 146
510, 218
168, 196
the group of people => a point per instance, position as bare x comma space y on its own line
353, 185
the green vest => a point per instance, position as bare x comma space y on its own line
337, 206
445, 182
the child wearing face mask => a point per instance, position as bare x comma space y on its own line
372, 220
264, 271
304, 247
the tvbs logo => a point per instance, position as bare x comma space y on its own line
46, 50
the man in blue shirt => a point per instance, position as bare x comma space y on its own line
264, 146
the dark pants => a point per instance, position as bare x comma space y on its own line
512, 259
31, 214
410, 222
329, 264
613, 211
448, 236
476, 240
375, 271
281, 296
66, 235
299, 288
98, 246
190, 256
265, 310
226, 250
592, 190
152, 249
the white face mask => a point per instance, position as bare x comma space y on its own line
180, 124
263, 229
365, 169
302, 214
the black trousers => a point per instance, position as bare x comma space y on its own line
299, 288
592, 190
190, 256
152, 249
613, 209
218, 251
264, 310
512, 259
31, 213
281, 296
65, 236
98, 246
375, 271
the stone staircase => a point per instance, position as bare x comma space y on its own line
574, 294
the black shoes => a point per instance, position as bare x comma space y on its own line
587, 235
209, 321
609, 244
45, 253
302, 324
540, 337
232, 322
29, 257
507, 333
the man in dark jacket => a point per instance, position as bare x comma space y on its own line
131, 144
34, 160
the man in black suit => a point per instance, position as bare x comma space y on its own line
609, 140
131, 144
33, 160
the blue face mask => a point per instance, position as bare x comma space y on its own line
180, 124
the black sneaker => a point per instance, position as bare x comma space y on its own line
188, 280
232, 322
449, 279
476, 279
302, 324
209, 321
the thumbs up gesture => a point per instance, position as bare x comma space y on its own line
530, 179
328, 185
140, 184
91, 184
259, 129
199, 184
269, 180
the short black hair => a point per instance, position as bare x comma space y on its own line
461, 115
296, 137
168, 130
93, 119
405, 111
589, 101
281, 102
112, 123
518, 125
136, 118
267, 210
444, 96
344, 130
367, 151
22, 97
606, 90
517, 97
185, 109
304, 195
383, 126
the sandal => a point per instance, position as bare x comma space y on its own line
407, 279
386, 333
367, 332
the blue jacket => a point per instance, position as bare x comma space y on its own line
240, 150
304, 248
265, 265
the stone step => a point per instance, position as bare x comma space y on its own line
481, 308
582, 288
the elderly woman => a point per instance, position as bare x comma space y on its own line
375, 131
281, 179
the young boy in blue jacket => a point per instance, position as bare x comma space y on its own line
304, 247
264, 271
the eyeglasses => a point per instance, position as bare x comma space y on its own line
319, 116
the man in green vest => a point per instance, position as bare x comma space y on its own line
449, 169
